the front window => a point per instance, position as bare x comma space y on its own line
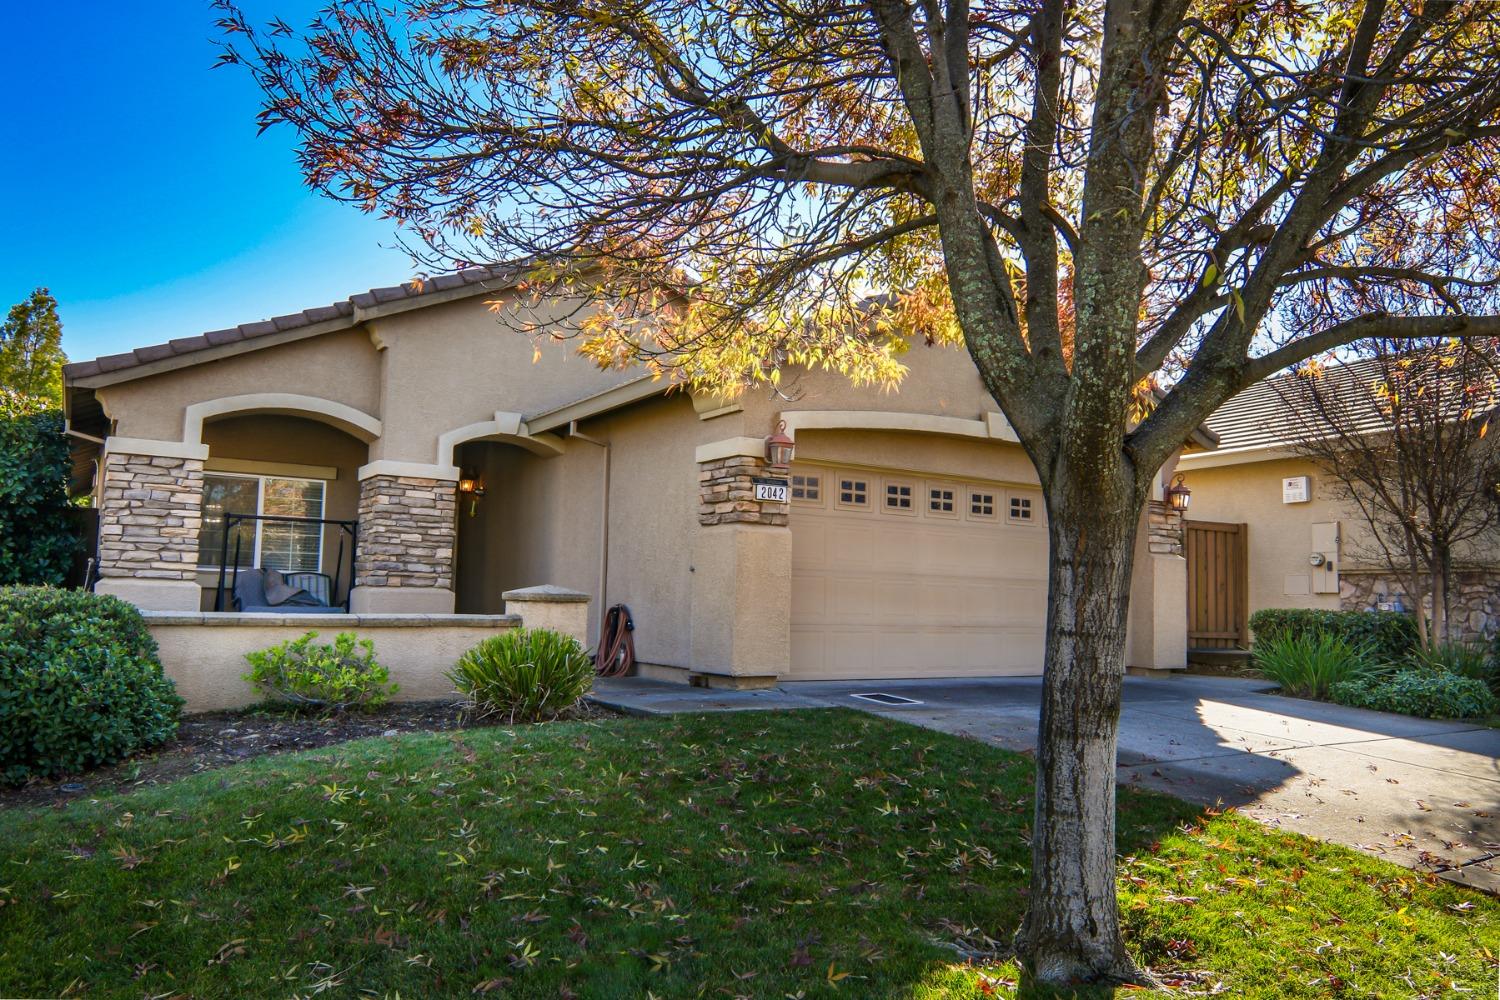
288, 547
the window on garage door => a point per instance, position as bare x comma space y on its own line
853, 492
1020, 508
983, 504
807, 488
899, 496
943, 500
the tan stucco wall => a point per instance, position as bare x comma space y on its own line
1279, 538
456, 364
207, 662
940, 380
539, 521
343, 367
933, 454
297, 441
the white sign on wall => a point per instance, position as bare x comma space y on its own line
1296, 489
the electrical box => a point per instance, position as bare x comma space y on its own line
1325, 543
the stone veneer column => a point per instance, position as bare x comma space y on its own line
407, 539
742, 571
1165, 529
1157, 634
726, 492
150, 513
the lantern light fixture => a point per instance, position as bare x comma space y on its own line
779, 448
1178, 495
471, 486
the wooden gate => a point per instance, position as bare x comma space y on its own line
1217, 585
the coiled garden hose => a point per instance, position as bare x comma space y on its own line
615, 656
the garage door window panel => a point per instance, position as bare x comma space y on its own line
853, 493
899, 496
982, 505
943, 500
807, 488
1020, 509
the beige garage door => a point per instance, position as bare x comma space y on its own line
905, 576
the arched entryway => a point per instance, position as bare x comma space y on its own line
281, 465
502, 544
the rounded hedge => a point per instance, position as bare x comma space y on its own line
1431, 694
80, 683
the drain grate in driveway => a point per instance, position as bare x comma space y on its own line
881, 698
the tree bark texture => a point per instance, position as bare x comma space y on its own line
1071, 932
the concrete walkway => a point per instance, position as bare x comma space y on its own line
1418, 792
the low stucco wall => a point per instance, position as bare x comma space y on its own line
204, 654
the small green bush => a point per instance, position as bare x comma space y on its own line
80, 683
526, 675
1386, 636
322, 677
1466, 659
1308, 665
1431, 694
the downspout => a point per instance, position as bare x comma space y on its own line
574, 432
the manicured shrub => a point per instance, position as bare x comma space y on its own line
37, 536
1385, 636
320, 676
80, 683
1308, 664
1431, 694
525, 675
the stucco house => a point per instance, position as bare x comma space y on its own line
1268, 530
911, 540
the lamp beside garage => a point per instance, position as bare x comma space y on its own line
779, 448
1178, 496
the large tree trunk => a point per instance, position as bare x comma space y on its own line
1071, 933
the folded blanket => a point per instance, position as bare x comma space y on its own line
278, 591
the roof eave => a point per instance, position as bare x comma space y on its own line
84, 375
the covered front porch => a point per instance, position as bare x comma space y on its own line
271, 518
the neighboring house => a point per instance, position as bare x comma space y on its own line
913, 543
1262, 515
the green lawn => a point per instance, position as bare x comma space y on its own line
745, 854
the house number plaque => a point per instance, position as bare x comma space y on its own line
771, 490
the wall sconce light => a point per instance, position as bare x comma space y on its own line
1178, 495
779, 448
472, 487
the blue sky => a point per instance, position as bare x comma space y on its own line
136, 188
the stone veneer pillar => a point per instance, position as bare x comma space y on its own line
1157, 633
407, 539
726, 492
742, 571
150, 513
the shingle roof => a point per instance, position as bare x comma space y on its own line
345, 310
1269, 413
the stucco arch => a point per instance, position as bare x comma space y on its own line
507, 427
346, 418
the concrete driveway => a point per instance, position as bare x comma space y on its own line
1418, 792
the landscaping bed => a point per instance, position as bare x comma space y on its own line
823, 853
211, 740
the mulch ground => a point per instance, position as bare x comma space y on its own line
211, 740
